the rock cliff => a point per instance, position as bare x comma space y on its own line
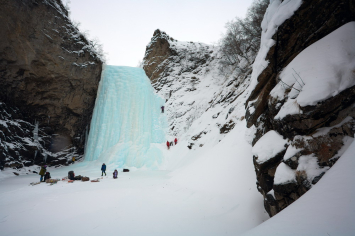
316, 134
313, 136
188, 69
49, 74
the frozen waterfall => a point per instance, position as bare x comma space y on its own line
127, 128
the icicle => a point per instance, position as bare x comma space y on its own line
35, 132
45, 157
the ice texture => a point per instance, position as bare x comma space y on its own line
127, 126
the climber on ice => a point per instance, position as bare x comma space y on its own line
162, 109
175, 141
168, 144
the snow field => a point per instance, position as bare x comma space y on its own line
209, 191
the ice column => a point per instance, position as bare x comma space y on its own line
127, 127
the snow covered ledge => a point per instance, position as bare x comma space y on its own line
267, 153
268, 146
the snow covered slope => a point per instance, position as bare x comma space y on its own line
208, 191
328, 209
204, 99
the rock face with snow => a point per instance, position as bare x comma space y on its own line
306, 93
201, 96
164, 53
49, 75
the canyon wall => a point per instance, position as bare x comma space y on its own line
49, 76
315, 134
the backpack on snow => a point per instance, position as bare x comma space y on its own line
85, 179
78, 177
71, 175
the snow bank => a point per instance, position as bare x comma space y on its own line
309, 164
327, 209
322, 70
290, 152
284, 174
268, 146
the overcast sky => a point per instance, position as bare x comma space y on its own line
125, 27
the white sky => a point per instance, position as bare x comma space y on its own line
126, 27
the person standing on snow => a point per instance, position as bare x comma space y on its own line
168, 144
175, 141
103, 169
162, 109
115, 173
42, 172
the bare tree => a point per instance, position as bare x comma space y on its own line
242, 40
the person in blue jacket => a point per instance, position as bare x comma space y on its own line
103, 169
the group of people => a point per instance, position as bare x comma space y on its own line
169, 144
103, 171
44, 174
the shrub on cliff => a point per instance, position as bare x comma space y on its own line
242, 41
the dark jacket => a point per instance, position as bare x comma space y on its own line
42, 171
103, 168
47, 176
71, 175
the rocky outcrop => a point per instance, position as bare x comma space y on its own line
319, 133
164, 55
196, 86
157, 51
49, 74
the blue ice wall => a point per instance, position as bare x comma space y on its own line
127, 127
